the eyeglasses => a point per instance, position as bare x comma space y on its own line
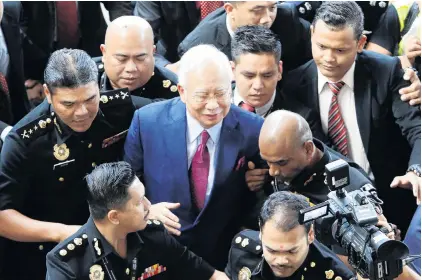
203, 99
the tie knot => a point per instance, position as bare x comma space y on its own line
247, 107
204, 137
336, 87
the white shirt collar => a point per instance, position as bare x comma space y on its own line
195, 129
348, 79
229, 28
262, 111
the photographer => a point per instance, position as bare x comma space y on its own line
297, 161
283, 247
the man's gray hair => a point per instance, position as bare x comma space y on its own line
201, 56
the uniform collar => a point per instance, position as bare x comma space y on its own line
100, 248
307, 175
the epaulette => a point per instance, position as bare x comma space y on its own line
73, 247
35, 128
154, 224
115, 97
248, 240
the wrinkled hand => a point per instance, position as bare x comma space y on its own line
161, 211
409, 181
412, 93
174, 67
411, 47
65, 231
255, 178
218, 275
35, 91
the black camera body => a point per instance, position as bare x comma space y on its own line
349, 219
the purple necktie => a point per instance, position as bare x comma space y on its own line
200, 169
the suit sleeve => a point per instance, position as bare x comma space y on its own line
133, 150
387, 33
58, 270
187, 264
118, 8
407, 117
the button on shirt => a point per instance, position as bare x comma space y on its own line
346, 100
193, 133
261, 111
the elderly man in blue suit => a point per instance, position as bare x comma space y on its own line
191, 151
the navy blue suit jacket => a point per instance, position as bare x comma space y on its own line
156, 148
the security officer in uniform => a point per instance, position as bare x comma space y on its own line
128, 61
118, 242
48, 153
283, 248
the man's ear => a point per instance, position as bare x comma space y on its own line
182, 93
103, 51
280, 70
311, 234
228, 7
361, 43
113, 217
47, 93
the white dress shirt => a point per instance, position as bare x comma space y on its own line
261, 111
4, 55
193, 138
229, 27
346, 101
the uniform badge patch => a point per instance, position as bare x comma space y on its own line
113, 139
61, 152
96, 272
245, 273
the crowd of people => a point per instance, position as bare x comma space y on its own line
183, 139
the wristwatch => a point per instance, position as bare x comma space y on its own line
415, 168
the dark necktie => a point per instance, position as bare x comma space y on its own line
247, 107
207, 7
336, 127
200, 168
67, 24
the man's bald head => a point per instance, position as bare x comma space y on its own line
285, 126
121, 26
285, 142
128, 52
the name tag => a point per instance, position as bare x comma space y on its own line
63, 164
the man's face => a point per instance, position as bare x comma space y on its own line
134, 215
207, 95
285, 252
129, 58
285, 158
256, 77
252, 13
76, 107
334, 51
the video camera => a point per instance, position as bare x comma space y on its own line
349, 219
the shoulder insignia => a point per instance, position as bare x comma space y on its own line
98, 247
248, 240
154, 224
35, 128
115, 97
73, 247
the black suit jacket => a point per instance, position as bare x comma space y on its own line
390, 128
171, 22
39, 25
19, 105
293, 32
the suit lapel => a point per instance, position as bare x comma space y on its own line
223, 38
362, 91
176, 141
